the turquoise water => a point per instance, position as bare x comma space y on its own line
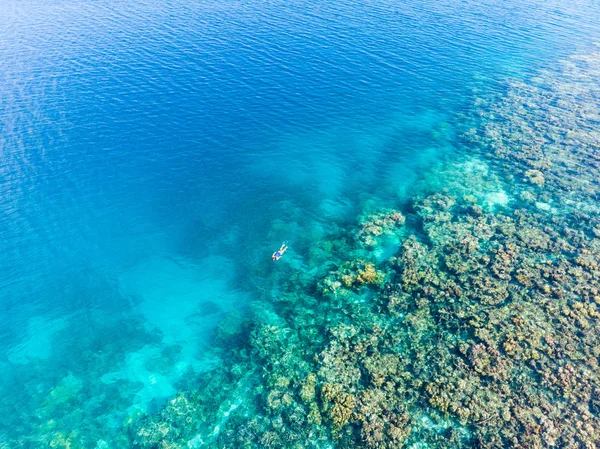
154, 155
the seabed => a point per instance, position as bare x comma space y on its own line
465, 317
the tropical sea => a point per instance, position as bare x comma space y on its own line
432, 166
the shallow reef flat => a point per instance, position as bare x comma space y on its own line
481, 331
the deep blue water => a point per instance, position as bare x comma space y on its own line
154, 155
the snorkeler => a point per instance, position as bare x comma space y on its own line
277, 254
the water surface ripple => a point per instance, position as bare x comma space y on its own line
154, 154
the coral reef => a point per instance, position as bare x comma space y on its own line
372, 227
482, 330
350, 277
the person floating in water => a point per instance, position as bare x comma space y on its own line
277, 254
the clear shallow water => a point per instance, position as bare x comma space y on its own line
155, 154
